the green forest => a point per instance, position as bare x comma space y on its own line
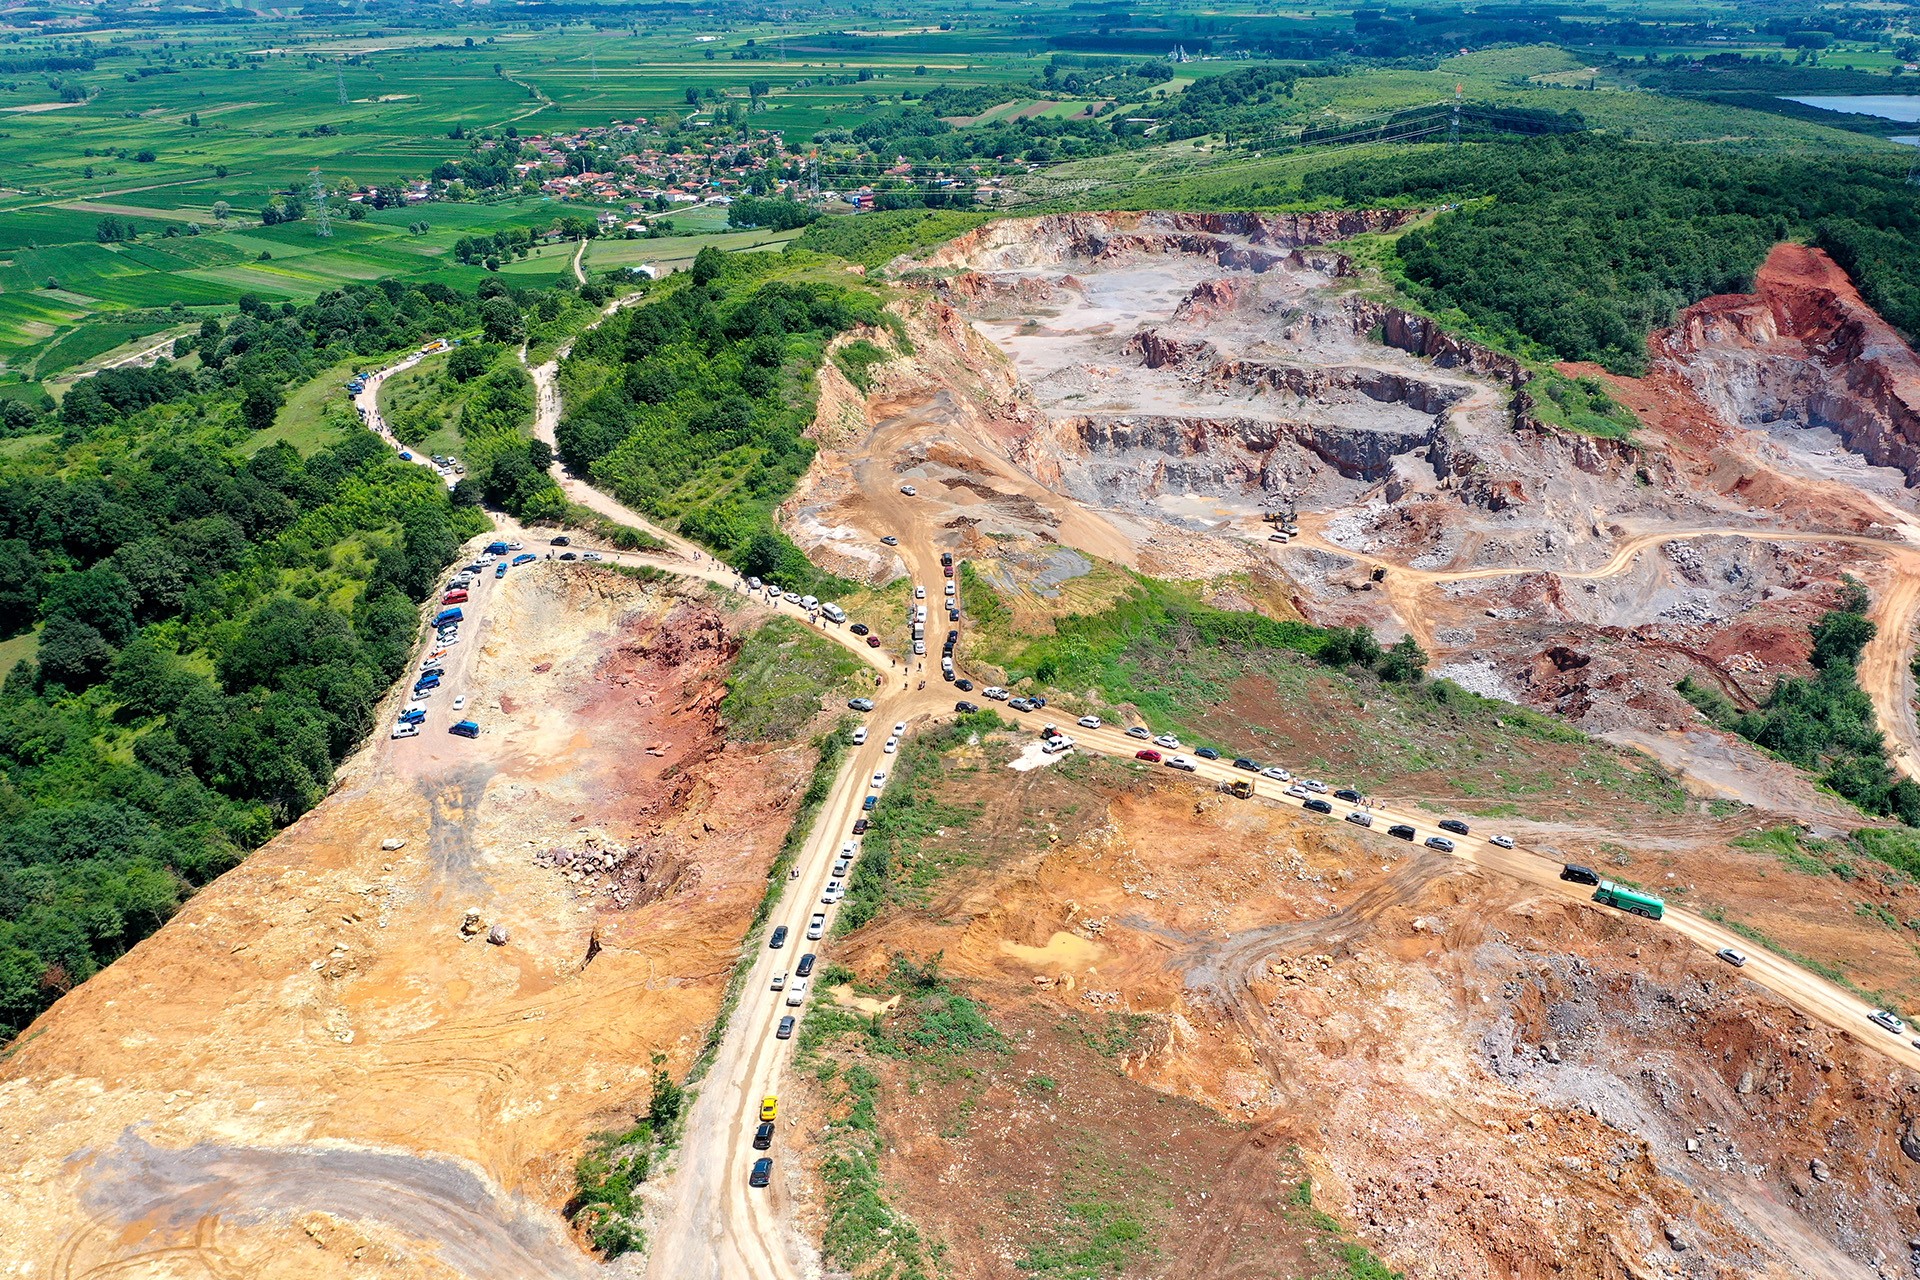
218, 615
1574, 248
691, 407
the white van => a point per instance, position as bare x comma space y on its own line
797, 992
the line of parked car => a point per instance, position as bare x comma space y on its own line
795, 985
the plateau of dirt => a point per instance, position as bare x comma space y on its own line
323, 1066
1483, 1081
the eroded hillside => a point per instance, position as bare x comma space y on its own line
325, 1062
1201, 1004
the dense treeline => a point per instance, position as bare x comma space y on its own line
1587, 243
777, 213
1825, 723
692, 407
216, 633
216, 623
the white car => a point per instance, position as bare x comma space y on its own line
1183, 763
1881, 1018
780, 980
1088, 722
1055, 746
833, 894
860, 736
460, 702
1315, 786
919, 593
909, 490
880, 778
843, 866
995, 692
797, 993
1297, 791
1168, 741
893, 744
1276, 773
1505, 842
949, 588
1360, 818
899, 728
817, 926
406, 731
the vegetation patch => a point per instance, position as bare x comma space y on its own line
783, 671
900, 858
693, 407
876, 239
1825, 724
607, 1177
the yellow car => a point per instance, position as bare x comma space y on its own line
769, 1107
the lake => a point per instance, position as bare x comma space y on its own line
1904, 107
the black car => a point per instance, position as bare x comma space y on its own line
1348, 794
568, 555
563, 541
1578, 874
779, 938
953, 637
964, 686
858, 628
1249, 765
946, 557
762, 1172
784, 1033
1454, 825
763, 1136
1317, 805
859, 826
953, 615
1207, 753
433, 671
805, 967
946, 675
963, 706
1401, 831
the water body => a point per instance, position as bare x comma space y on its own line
1904, 107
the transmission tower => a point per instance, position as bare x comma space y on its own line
322, 220
1453, 126
340, 84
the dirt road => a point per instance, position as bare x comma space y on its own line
1803, 990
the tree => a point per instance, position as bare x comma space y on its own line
113, 230
193, 120
466, 363
664, 1108
765, 551
1405, 662
260, 406
693, 97
144, 156
221, 209
500, 321
1839, 637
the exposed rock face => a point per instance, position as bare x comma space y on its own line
1803, 350
1238, 241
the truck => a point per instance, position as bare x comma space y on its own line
446, 616
1619, 896
1239, 788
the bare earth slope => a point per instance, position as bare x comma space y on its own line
312, 1066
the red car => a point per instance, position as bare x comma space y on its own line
873, 642
1151, 757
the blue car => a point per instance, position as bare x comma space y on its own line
525, 558
500, 571
412, 715
430, 682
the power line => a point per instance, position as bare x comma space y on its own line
340, 84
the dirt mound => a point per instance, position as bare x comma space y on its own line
316, 1063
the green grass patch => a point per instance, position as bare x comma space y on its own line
900, 859
782, 673
857, 359
875, 239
